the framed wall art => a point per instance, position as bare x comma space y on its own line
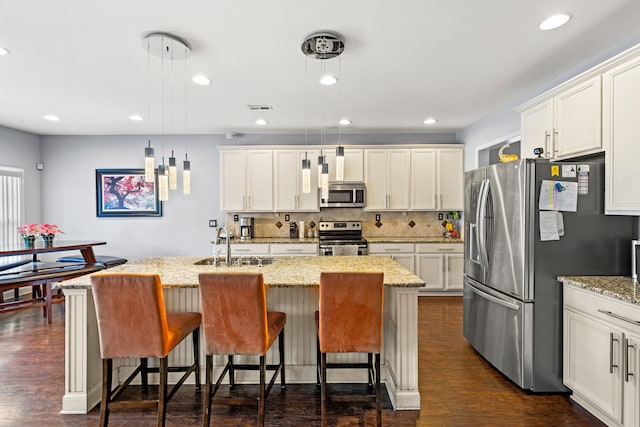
124, 192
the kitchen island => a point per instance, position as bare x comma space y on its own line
292, 287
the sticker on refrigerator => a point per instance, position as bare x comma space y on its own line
558, 196
583, 180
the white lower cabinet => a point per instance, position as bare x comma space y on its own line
403, 253
441, 266
601, 355
294, 249
249, 249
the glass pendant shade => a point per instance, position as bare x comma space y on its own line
321, 161
148, 164
340, 163
306, 175
163, 182
173, 173
186, 176
325, 181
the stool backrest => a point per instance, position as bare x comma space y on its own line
234, 313
131, 315
350, 315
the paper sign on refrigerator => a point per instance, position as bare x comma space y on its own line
558, 196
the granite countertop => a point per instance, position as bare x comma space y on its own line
275, 240
285, 272
618, 287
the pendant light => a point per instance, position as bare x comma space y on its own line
339, 163
306, 163
186, 176
325, 181
173, 173
306, 174
163, 182
149, 172
321, 161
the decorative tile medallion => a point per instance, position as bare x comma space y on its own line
378, 224
278, 224
412, 224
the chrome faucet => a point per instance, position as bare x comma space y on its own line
227, 255
634, 271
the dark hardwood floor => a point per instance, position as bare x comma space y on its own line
458, 388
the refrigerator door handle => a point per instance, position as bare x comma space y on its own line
481, 221
473, 243
497, 300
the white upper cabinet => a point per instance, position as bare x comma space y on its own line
353, 163
424, 185
437, 176
387, 178
450, 179
621, 130
288, 194
246, 180
565, 124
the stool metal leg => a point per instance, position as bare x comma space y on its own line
196, 355
323, 389
263, 374
232, 375
206, 416
162, 391
281, 350
106, 391
378, 393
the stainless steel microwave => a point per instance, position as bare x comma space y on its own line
345, 195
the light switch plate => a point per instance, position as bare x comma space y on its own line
213, 223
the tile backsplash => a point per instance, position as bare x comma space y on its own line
392, 224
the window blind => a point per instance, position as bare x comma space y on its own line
11, 207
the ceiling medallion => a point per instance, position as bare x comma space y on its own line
165, 45
323, 45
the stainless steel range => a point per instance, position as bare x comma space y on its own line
341, 233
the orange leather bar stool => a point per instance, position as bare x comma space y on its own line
349, 320
132, 322
236, 322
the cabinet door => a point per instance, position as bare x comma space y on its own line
631, 379
353, 164
232, 181
285, 183
423, 179
259, 180
536, 130
592, 350
454, 269
375, 170
577, 118
430, 268
399, 171
621, 127
406, 260
450, 179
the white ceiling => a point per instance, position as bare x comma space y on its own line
456, 60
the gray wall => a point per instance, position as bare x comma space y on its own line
22, 150
69, 194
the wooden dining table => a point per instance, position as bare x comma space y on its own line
43, 274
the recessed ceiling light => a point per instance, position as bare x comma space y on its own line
4, 51
201, 80
345, 122
555, 21
52, 118
430, 121
328, 80
135, 118
261, 122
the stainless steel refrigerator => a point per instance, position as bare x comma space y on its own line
512, 300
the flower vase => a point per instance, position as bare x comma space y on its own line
29, 241
48, 239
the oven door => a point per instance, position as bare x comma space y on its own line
327, 250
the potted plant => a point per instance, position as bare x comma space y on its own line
28, 232
48, 232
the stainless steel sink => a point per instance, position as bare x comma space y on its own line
259, 261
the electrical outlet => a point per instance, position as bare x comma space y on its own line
440, 216
377, 217
213, 223
286, 217
235, 218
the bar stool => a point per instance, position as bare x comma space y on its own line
132, 322
236, 322
349, 320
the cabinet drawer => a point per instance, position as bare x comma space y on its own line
603, 308
443, 248
389, 248
294, 249
241, 249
